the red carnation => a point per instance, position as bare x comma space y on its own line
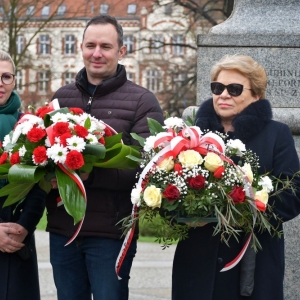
35, 134
102, 140
40, 154
81, 131
178, 169
76, 110
0, 144
42, 111
197, 182
219, 172
107, 131
171, 193
237, 194
63, 138
3, 158
60, 128
74, 160
15, 158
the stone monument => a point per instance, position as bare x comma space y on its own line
269, 31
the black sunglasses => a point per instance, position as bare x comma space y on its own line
233, 89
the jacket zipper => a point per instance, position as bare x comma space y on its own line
89, 104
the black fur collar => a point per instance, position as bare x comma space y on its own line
246, 124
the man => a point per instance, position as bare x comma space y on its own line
87, 265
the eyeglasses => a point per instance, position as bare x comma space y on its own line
233, 89
7, 78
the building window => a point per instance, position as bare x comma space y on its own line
153, 80
69, 77
69, 44
61, 10
157, 44
178, 80
130, 76
46, 11
178, 41
44, 48
19, 80
43, 82
104, 8
30, 10
131, 10
20, 43
128, 41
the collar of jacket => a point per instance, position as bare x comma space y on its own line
106, 86
246, 124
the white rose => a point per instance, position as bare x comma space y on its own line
266, 183
248, 171
167, 164
190, 158
136, 196
262, 196
152, 196
212, 161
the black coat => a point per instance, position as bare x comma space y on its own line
199, 259
19, 276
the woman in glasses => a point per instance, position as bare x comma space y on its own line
18, 261
238, 107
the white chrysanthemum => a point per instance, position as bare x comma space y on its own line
57, 153
59, 117
47, 142
237, 145
173, 122
76, 143
6, 141
149, 143
22, 151
266, 183
136, 196
92, 139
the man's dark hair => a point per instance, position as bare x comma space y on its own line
106, 19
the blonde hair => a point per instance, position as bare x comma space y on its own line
4, 56
248, 67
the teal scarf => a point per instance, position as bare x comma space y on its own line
9, 114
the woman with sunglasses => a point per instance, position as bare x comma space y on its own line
18, 261
238, 107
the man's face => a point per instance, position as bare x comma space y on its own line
100, 52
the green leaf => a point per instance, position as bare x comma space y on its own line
97, 150
45, 185
112, 140
24, 173
154, 126
87, 123
140, 139
71, 195
15, 192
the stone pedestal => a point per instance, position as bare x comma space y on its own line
269, 31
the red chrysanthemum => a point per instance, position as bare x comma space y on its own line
64, 137
76, 110
3, 158
35, 134
60, 128
81, 131
74, 160
40, 155
15, 158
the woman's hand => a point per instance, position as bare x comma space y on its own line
8, 231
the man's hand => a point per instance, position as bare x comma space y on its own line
7, 243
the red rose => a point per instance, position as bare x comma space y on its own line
76, 110
3, 158
60, 128
237, 195
74, 160
219, 172
260, 206
178, 168
15, 158
171, 193
63, 138
81, 131
35, 134
40, 155
197, 182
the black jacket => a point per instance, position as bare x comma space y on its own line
199, 259
124, 106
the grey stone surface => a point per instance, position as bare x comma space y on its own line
269, 31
